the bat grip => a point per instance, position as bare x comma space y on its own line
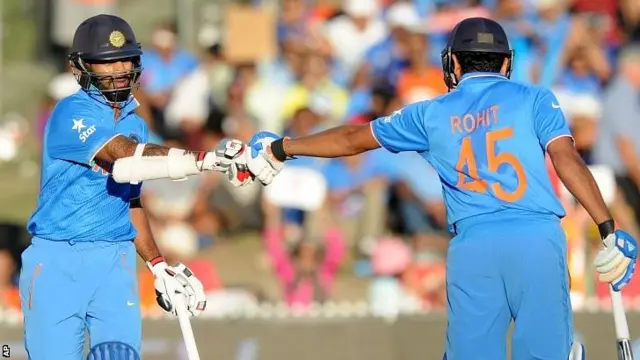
185, 327
619, 317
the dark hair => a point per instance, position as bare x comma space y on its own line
480, 61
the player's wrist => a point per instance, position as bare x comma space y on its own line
278, 149
606, 228
156, 263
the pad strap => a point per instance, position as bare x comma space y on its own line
138, 155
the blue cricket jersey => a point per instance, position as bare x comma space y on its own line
79, 200
487, 140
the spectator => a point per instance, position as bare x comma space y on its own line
199, 92
619, 142
316, 83
164, 66
420, 81
357, 188
351, 34
583, 113
306, 270
385, 60
388, 295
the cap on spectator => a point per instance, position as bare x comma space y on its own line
360, 8
404, 15
179, 239
391, 256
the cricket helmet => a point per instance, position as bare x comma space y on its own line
105, 39
480, 35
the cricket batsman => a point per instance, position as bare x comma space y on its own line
80, 270
487, 139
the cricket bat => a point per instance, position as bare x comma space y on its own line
185, 326
622, 328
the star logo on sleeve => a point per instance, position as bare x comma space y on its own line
78, 125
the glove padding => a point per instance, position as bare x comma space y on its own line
262, 164
230, 160
172, 281
616, 262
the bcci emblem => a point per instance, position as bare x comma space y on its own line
116, 39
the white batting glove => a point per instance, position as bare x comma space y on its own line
616, 262
172, 281
228, 159
261, 163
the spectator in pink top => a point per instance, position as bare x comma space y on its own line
307, 271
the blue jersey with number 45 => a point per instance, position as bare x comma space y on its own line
78, 199
487, 140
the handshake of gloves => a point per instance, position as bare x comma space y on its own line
262, 158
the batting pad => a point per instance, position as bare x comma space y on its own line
113, 350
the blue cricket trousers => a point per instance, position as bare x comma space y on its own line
502, 267
67, 287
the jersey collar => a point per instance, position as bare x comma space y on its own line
481, 75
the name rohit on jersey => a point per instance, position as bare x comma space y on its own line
469, 122
83, 131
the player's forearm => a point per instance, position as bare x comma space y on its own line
579, 181
144, 241
340, 141
121, 147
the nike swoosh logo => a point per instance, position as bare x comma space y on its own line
555, 106
129, 303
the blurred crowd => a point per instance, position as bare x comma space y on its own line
376, 216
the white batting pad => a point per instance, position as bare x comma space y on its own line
298, 188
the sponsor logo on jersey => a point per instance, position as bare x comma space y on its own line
83, 131
85, 134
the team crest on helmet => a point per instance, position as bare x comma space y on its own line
116, 38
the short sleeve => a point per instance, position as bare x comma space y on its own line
403, 130
549, 121
78, 136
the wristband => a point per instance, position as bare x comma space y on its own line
155, 261
606, 228
277, 150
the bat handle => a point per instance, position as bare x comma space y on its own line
619, 317
185, 326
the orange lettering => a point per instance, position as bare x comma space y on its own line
469, 123
495, 109
467, 158
455, 124
481, 118
494, 161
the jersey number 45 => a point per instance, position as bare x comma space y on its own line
494, 161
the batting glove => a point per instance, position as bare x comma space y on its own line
228, 158
261, 163
616, 262
172, 281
